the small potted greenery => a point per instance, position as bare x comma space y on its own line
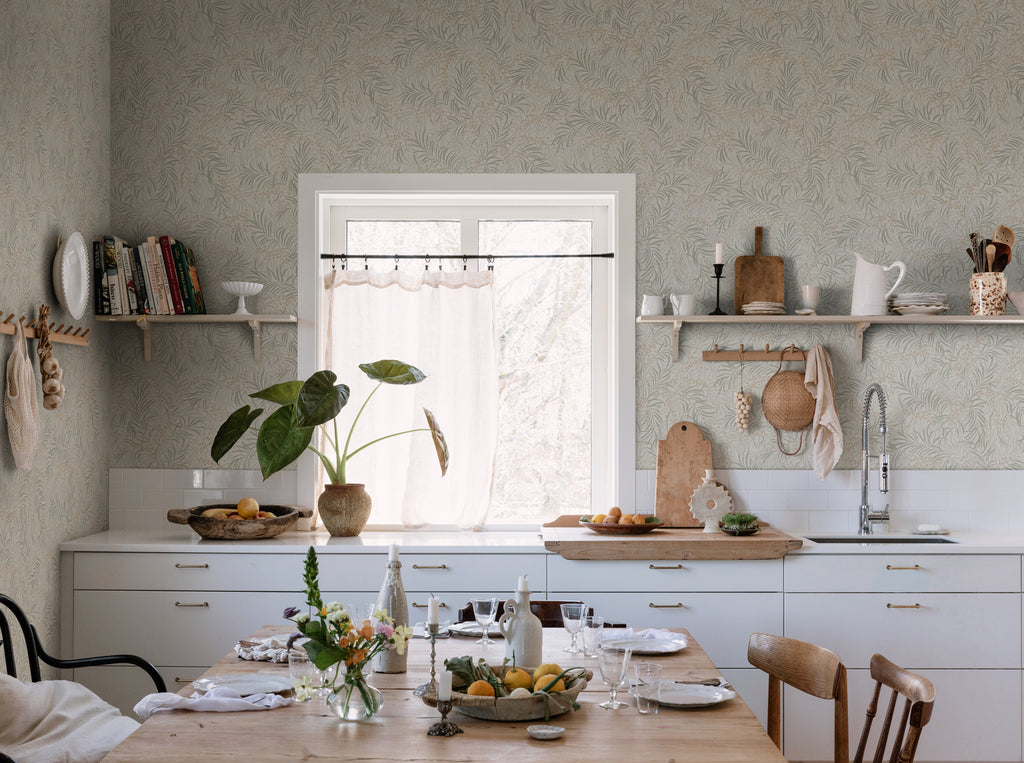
739, 524
308, 406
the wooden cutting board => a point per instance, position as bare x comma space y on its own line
759, 278
683, 457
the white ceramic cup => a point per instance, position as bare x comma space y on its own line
684, 304
653, 304
809, 296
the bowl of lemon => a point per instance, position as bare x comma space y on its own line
512, 693
616, 522
245, 520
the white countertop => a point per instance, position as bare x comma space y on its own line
173, 540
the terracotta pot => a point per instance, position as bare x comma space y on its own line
344, 509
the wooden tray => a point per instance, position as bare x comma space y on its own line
217, 528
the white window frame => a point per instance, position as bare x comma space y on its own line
614, 346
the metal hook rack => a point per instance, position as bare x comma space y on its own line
789, 353
63, 333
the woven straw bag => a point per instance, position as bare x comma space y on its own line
788, 405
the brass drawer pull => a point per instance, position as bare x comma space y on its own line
430, 566
204, 604
652, 605
181, 566
893, 567
424, 606
664, 567
890, 605
180, 680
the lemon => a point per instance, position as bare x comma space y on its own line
248, 508
597, 519
480, 689
543, 681
517, 678
547, 669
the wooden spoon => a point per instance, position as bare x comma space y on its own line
990, 256
1003, 235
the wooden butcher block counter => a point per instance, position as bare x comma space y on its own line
565, 537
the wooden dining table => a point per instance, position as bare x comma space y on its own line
728, 731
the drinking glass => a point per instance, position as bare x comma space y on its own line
572, 619
592, 630
307, 679
614, 667
485, 610
648, 687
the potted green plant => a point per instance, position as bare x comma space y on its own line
311, 405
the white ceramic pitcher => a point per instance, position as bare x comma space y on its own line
869, 294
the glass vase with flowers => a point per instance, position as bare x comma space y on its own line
343, 648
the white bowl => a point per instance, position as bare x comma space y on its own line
1017, 298
242, 289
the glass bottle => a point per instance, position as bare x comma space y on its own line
392, 600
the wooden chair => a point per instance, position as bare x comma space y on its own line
810, 668
917, 710
36, 653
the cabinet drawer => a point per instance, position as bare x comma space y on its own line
224, 572
180, 627
494, 573
914, 630
883, 573
731, 575
976, 717
722, 623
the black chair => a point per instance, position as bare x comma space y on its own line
36, 653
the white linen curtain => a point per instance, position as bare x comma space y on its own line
442, 323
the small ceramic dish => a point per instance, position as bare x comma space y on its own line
544, 733
740, 531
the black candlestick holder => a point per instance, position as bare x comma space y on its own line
718, 290
432, 630
444, 727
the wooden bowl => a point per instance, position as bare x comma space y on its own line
218, 528
513, 709
618, 529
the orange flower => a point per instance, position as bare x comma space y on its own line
356, 657
367, 630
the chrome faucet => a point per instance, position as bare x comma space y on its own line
867, 517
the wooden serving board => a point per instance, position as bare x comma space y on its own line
759, 278
575, 542
683, 457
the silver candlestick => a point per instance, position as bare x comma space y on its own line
444, 727
432, 630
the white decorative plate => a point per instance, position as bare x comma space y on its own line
647, 646
247, 683
690, 695
71, 275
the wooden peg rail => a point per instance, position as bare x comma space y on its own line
58, 333
790, 353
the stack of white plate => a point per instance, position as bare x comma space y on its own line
764, 308
918, 303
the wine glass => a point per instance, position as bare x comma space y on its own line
485, 610
572, 620
614, 667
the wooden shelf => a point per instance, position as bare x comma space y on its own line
145, 322
859, 322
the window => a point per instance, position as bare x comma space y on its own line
564, 327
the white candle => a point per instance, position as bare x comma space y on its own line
444, 691
718, 254
432, 610
393, 553
522, 585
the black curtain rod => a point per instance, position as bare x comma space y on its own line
605, 255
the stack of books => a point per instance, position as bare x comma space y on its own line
156, 277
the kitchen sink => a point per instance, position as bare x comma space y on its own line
879, 539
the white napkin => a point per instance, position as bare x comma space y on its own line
219, 699
273, 649
826, 433
625, 634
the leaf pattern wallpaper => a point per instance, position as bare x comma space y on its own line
887, 127
54, 168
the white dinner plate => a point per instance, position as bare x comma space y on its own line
247, 683
71, 275
921, 309
472, 630
690, 695
647, 645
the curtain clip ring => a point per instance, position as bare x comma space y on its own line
490, 262
396, 262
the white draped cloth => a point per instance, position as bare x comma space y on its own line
826, 433
442, 323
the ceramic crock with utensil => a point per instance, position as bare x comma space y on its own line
869, 294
